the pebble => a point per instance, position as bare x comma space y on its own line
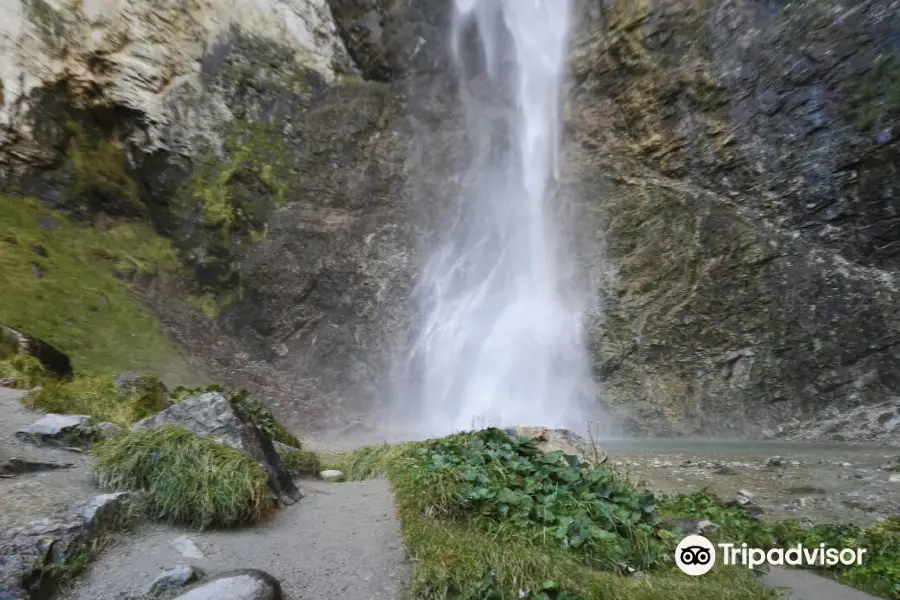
177, 576
187, 548
331, 475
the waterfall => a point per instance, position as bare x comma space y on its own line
501, 339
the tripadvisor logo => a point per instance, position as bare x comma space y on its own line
696, 555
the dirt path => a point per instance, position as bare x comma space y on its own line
341, 541
35, 496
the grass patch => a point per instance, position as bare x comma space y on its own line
58, 282
487, 516
258, 413
100, 398
188, 480
26, 370
879, 573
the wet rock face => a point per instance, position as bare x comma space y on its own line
394, 39
749, 195
794, 104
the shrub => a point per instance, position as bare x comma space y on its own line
188, 480
26, 370
100, 398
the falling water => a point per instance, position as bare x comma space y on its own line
501, 342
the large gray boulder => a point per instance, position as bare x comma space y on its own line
242, 584
211, 415
31, 554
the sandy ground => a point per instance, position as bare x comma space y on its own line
341, 541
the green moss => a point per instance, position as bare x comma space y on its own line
301, 462
256, 159
488, 516
188, 480
102, 181
100, 398
231, 195
875, 99
58, 282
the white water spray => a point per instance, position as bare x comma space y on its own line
501, 342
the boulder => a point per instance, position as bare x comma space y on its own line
30, 555
55, 361
561, 439
212, 415
242, 584
131, 384
68, 431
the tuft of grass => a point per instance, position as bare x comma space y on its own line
489, 516
879, 573
100, 398
188, 480
26, 370
302, 462
58, 282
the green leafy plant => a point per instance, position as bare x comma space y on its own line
489, 516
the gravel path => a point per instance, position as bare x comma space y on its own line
35, 496
341, 541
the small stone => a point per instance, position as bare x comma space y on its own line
844, 464
746, 494
8, 382
244, 584
775, 461
19, 466
187, 548
177, 576
894, 478
331, 475
800, 503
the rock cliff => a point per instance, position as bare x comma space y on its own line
735, 163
